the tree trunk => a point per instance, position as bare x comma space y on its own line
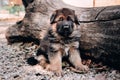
100, 28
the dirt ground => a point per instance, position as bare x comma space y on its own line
13, 64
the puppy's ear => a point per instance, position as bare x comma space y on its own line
76, 20
52, 18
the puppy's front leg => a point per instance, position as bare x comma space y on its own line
75, 59
55, 59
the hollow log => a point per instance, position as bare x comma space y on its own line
100, 28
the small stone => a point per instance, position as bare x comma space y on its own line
37, 74
16, 76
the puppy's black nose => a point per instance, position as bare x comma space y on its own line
66, 27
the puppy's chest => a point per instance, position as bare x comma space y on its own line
63, 41
64, 44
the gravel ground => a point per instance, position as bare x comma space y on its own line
13, 66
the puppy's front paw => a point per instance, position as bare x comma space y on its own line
55, 69
58, 73
82, 68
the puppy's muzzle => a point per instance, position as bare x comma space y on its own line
65, 29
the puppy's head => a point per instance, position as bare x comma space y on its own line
64, 21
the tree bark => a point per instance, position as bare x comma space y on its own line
100, 28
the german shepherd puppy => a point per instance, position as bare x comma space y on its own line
62, 40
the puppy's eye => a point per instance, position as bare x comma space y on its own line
61, 19
69, 18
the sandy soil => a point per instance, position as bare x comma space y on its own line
14, 66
